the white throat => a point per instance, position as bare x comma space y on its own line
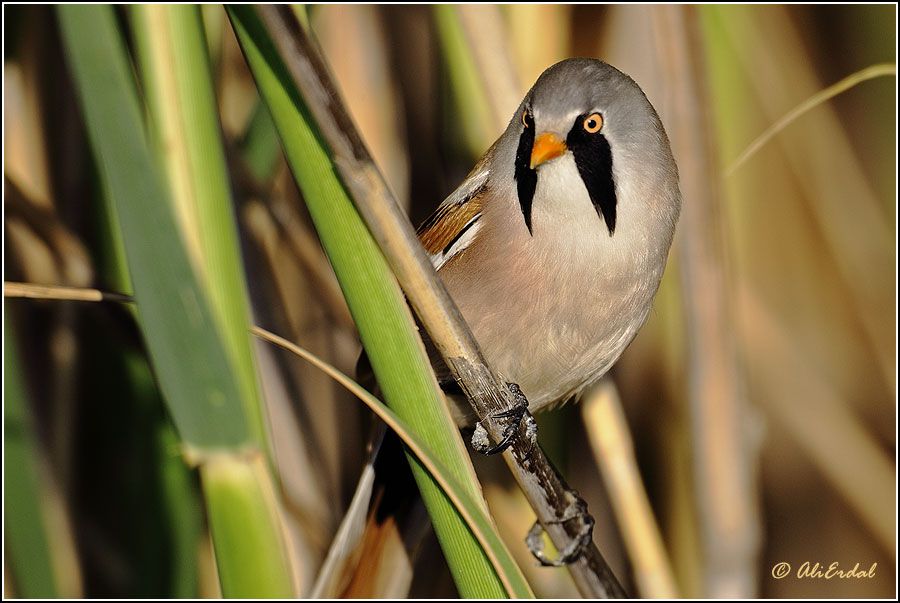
561, 202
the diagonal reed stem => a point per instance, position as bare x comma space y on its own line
546, 491
613, 449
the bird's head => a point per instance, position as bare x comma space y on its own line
587, 127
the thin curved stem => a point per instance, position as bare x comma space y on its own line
870, 72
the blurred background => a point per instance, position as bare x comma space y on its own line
760, 397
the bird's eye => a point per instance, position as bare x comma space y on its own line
592, 123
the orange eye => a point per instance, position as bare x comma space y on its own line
592, 123
525, 118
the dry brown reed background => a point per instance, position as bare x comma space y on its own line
752, 421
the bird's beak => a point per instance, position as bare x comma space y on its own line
547, 146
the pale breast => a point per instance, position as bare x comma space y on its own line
554, 309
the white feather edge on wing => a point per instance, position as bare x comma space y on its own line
470, 230
470, 188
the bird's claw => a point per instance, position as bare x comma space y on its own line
515, 415
577, 510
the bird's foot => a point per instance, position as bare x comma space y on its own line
575, 511
514, 417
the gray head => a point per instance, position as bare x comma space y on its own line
585, 114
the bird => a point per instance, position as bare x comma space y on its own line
554, 245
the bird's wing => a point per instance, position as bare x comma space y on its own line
454, 224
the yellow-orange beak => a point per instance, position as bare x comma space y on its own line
546, 147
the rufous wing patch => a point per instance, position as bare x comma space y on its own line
447, 222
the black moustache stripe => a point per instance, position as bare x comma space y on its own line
526, 178
593, 157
